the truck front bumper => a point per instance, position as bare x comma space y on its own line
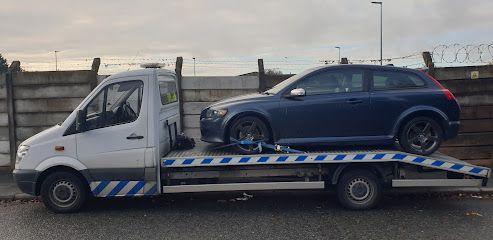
26, 180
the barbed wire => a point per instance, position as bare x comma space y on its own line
463, 53
445, 54
374, 61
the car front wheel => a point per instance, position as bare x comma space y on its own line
421, 135
248, 128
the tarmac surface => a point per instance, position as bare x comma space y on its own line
256, 215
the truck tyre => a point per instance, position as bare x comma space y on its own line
421, 135
63, 192
249, 128
359, 189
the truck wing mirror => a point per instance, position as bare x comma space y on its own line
80, 121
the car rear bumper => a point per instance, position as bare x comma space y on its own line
452, 130
26, 180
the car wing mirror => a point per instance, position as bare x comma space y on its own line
297, 92
80, 121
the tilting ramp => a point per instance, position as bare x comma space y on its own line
435, 161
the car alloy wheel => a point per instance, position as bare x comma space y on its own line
249, 128
422, 136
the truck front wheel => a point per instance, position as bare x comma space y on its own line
63, 192
359, 189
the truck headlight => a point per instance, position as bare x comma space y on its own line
21, 152
216, 113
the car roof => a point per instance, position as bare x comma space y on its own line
367, 66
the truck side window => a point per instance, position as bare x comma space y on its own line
123, 102
116, 104
94, 116
168, 92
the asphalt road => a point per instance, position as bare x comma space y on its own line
277, 215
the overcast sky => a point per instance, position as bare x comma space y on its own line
227, 36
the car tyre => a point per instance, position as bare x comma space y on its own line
421, 135
359, 189
63, 192
249, 128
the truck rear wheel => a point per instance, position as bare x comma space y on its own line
359, 189
63, 192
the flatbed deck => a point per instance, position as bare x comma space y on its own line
205, 155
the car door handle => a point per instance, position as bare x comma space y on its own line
354, 101
134, 136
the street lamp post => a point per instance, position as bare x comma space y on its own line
381, 29
56, 60
194, 67
339, 59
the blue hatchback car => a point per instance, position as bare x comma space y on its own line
343, 104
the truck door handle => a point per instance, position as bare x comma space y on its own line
354, 101
134, 136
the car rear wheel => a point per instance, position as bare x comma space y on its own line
63, 192
248, 128
421, 135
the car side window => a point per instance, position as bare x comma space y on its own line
116, 104
333, 81
386, 80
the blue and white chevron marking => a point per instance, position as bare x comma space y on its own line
123, 188
327, 158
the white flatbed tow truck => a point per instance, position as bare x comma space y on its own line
120, 142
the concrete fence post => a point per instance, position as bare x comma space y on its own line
179, 79
429, 63
14, 67
96, 62
261, 76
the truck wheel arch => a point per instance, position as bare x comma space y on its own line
342, 168
82, 175
61, 163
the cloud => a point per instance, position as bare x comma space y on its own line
275, 29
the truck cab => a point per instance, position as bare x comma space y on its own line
116, 133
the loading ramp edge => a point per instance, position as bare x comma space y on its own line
442, 162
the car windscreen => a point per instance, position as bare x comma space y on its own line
282, 85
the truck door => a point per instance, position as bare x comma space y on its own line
114, 140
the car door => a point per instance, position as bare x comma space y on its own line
392, 93
336, 104
114, 141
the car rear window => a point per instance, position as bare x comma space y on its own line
384, 80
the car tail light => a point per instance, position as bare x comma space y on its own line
448, 94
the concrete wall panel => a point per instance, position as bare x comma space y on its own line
46, 91
236, 82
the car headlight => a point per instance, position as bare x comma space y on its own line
216, 113
21, 152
